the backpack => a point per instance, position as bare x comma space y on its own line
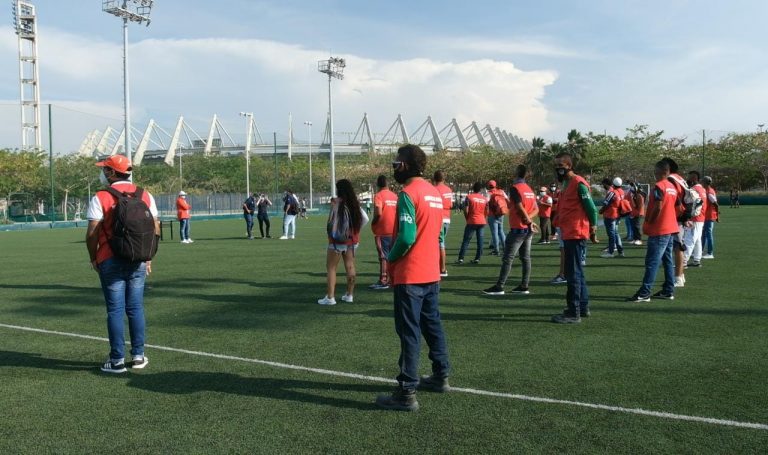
293, 205
692, 203
133, 234
497, 205
339, 226
625, 206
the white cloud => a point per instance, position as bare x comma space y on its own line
489, 46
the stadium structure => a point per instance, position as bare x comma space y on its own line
156, 144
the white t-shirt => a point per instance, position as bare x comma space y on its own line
96, 212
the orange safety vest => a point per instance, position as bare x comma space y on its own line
529, 205
572, 218
666, 222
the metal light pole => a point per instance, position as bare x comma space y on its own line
181, 176
333, 67
130, 11
309, 144
248, 131
760, 126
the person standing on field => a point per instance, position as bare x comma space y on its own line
712, 216
475, 212
610, 211
415, 273
497, 208
695, 226
249, 208
544, 201
122, 280
182, 214
290, 211
447, 194
637, 197
262, 214
383, 227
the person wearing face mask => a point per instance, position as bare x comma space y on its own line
544, 201
122, 280
414, 263
578, 222
182, 214
610, 211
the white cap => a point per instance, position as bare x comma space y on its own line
181, 193
617, 181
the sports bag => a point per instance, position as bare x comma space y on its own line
133, 234
690, 199
339, 226
625, 206
497, 205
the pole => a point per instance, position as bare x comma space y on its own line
181, 177
330, 139
126, 91
311, 199
274, 141
703, 148
50, 159
249, 124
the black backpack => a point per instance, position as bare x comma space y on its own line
133, 227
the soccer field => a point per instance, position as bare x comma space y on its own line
245, 361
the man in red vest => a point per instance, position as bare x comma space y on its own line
447, 193
122, 281
520, 236
610, 211
182, 214
693, 230
545, 202
476, 214
415, 275
711, 217
383, 227
661, 228
577, 217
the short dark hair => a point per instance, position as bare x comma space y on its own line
438, 176
606, 181
381, 181
476, 187
414, 157
663, 164
566, 156
673, 167
521, 171
696, 173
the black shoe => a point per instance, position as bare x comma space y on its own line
494, 290
475, 261
639, 298
460, 260
663, 295
585, 313
494, 253
399, 400
520, 290
565, 318
694, 264
434, 384
114, 367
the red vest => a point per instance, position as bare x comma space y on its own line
612, 210
666, 221
477, 209
421, 264
386, 200
108, 202
529, 204
182, 208
638, 204
447, 193
572, 219
545, 206
705, 203
711, 212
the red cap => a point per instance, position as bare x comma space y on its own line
120, 163
491, 184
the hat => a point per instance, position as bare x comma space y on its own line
181, 193
617, 181
491, 184
543, 188
706, 179
120, 163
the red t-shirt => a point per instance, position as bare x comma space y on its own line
182, 208
386, 201
612, 210
477, 209
545, 205
447, 194
108, 203
705, 203
711, 212
666, 221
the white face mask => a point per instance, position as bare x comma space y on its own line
103, 179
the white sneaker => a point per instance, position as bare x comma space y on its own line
680, 281
708, 256
347, 298
183, 241
637, 242
190, 241
326, 301
139, 361
283, 237
291, 237
606, 255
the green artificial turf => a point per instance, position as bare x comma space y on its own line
702, 354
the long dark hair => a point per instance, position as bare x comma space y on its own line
348, 197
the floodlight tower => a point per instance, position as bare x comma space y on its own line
333, 67
130, 11
309, 144
25, 23
248, 139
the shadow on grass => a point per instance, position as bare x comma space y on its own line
29, 360
452, 316
189, 382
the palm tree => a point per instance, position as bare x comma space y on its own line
577, 147
537, 161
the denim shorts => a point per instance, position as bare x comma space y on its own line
342, 248
445, 234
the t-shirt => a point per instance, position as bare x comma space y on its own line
477, 208
96, 212
447, 194
386, 203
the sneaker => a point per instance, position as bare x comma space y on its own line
606, 255
585, 314
564, 318
382, 287
348, 298
520, 290
663, 295
494, 253
250, 238
283, 237
111, 366
444, 274
680, 281
291, 238
326, 301
637, 242
558, 280
269, 236
139, 361
459, 261
695, 264
639, 298
399, 400
190, 241
475, 261
494, 290
434, 384
708, 256
621, 254
375, 285
183, 241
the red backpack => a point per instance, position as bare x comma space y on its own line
497, 205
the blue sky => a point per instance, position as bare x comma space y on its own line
533, 68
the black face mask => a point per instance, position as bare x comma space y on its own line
402, 175
561, 172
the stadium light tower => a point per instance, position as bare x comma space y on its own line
309, 144
25, 24
248, 138
333, 67
130, 11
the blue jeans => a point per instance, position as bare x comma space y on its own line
496, 223
248, 224
122, 282
708, 238
263, 220
630, 228
184, 229
383, 245
577, 295
659, 252
614, 239
417, 314
468, 231
518, 241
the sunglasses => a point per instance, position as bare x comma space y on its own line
396, 165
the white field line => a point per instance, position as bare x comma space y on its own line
637, 411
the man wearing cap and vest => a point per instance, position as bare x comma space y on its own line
610, 211
577, 219
182, 214
693, 230
122, 280
711, 216
476, 214
415, 273
497, 208
545, 202
520, 234
662, 228
447, 194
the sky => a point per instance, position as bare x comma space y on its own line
531, 68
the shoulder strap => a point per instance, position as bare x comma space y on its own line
139, 193
114, 192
